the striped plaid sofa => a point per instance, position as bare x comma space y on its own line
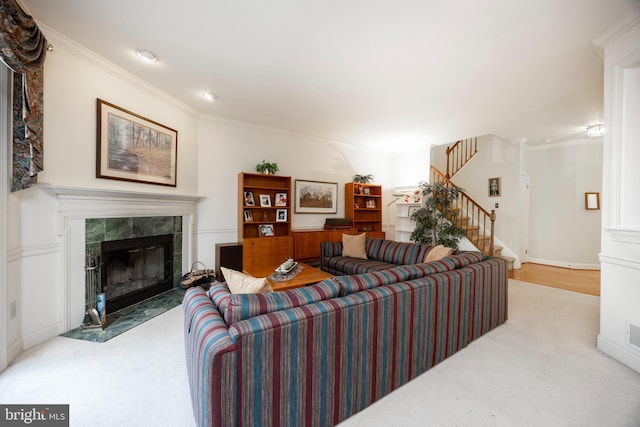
316, 355
381, 255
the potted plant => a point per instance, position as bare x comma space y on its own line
269, 168
435, 219
363, 179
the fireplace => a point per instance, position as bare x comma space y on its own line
133, 270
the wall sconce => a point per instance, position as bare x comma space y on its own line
595, 131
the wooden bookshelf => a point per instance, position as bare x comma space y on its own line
363, 205
264, 220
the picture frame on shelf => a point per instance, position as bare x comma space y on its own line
370, 203
133, 148
281, 215
281, 199
266, 230
248, 199
316, 197
495, 187
265, 200
248, 216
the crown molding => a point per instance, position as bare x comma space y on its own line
615, 30
60, 41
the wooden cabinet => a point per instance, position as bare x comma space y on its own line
264, 220
306, 243
363, 204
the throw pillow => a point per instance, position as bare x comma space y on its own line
240, 283
354, 246
438, 252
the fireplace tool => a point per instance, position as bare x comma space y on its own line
91, 317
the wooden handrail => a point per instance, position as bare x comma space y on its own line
478, 220
459, 154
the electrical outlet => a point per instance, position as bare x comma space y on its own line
497, 205
13, 310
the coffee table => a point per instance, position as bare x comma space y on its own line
307, 276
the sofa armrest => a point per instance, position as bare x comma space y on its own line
329, 249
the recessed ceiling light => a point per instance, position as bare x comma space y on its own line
146, 55
209, 96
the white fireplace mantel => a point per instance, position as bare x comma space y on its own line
76, 204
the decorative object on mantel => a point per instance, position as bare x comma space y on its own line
269, 168
363, 179
134, 148
23, 48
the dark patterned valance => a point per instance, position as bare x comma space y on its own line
23, 48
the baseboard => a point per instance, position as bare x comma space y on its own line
574, 266
14, 350
41, 336
621, 354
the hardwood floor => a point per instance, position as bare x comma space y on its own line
585, 281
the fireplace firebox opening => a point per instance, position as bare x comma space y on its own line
133, 270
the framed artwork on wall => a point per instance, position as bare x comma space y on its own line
316, 197
133, 148
495, 187
592, 201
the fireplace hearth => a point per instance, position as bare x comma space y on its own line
133, 270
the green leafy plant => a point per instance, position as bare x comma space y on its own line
363, 179
267, 167
434, 220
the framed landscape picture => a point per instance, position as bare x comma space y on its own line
133, 148
316, 197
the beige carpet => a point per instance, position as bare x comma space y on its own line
541, 368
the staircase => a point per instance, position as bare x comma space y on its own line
477, 223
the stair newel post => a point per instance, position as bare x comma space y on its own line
493, 220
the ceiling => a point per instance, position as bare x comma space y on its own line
379, 74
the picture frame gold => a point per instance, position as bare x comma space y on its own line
592, 201
133, 148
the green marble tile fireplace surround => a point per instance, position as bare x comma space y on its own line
99, 230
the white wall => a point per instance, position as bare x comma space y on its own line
228, 148
561, 231
620, 254
495, 158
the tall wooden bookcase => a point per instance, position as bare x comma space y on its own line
363, 204
264, 220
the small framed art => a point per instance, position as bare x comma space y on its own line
281, 199
248, 216
265, 200
281, 215
266, 230
248, 199
495, 187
